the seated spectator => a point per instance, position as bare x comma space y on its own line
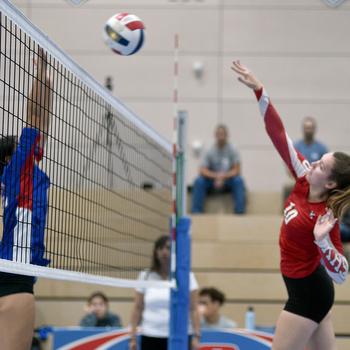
210, 302
98, 313
220, 171
344, 226
310, 148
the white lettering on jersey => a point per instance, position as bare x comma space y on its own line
290, 213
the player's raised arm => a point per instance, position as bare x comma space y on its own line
273, 123
40, 97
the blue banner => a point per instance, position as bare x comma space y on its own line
118, 339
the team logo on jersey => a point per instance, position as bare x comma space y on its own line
290, 213
312, 214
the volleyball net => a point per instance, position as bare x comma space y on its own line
110, 174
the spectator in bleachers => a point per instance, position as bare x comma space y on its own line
309, 147
152, 305
220, 171
98, 313
210, 302
345, 227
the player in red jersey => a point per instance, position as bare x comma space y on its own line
311, 250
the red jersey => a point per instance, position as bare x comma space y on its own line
300, 254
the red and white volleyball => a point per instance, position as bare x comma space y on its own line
124, 33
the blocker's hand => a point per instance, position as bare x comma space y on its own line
324, 225
246, 76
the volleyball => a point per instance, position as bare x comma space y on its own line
124, 33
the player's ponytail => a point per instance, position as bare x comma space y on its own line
339, 198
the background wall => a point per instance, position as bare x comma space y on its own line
299, 48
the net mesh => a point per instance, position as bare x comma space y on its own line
110, 180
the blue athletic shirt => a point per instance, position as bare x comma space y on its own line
24, 195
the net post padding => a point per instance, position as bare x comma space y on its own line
180, 301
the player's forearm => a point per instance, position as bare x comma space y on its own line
135, 319
335, 263
195, 322
39, 102
233, 172
39, 105
280, 139
208, 173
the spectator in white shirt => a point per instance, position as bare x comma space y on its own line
152, 305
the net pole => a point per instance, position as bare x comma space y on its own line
180, 297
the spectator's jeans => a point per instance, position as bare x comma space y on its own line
202, 185
345, 233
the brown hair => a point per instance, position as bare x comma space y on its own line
214, 294
339, 198
159, 244
98, 294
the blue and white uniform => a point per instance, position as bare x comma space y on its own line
24, 194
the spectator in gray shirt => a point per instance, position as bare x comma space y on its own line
210, 303
220, 170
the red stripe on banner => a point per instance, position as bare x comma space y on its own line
135, 25
121, 15
265, 337
217, 347
93, 344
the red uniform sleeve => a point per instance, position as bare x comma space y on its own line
296, 163
331, 250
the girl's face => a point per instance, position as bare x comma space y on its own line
163, 254
99, 307
320, 172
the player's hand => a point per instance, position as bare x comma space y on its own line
324, 225
133, 343
41, 60
195, 343
219, 181
246, 76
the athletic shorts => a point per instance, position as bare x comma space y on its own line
13, 284
312, 296
152, 343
